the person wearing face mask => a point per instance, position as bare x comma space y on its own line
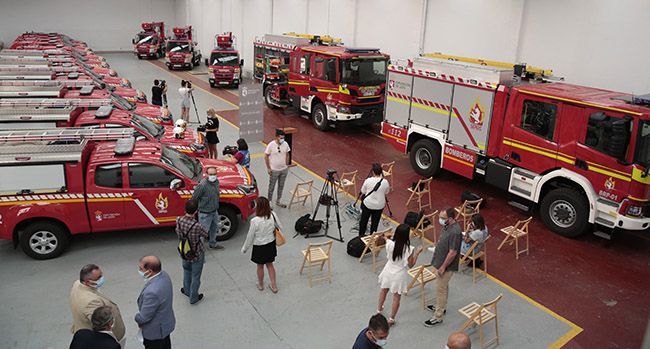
375, 336
445, 260
458, 340
85, 297
276, 157
101, 336
206, 194
155, 315
187, 227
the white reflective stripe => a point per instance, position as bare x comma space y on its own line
145, 211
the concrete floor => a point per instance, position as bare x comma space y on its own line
34, 309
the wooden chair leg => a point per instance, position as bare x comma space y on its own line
310, 274
363, 254
517, 247
503, 242
527, 245
321, 265
303, 264
422, 294
473, 271
481, 334
329, 270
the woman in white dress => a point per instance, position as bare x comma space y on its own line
394, 277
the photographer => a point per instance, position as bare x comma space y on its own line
185, 91
373, 199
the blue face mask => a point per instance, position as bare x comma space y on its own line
142, 274
100, 282
442, 221
381, 342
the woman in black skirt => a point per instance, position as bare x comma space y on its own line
211, 129
261, 236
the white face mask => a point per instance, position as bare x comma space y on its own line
212, 178
281, 140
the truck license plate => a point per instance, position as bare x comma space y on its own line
223, 82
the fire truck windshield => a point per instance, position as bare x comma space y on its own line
363, 72
155, 130
146, 39
176, 46
642, 156
121, 102
224, 58
189, 167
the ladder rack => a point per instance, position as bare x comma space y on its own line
26, 75
20, 153
34, 60
31, 91
35, 114
538, 72
44, 83
54, 102
65, 134
33, 53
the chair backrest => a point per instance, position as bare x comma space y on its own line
376, 242
523, 225
431, 218
305, 186
388, 167
350, 176
471, 206
469, 253
326, 246
423, 185
492, 305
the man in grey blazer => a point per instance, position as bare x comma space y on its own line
155, 316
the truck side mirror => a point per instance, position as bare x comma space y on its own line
175, 184
241, 62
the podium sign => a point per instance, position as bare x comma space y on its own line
251, 114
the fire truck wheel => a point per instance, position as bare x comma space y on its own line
139, 57
268, 99
44, 240
319, 117
229, 223
566, 212
425, 158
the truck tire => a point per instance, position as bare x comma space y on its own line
267, 98
319, 117
229, 223
566, 212
44, 240
425, 158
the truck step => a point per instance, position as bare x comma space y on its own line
519, 205
605, 222
520, 190
602, 234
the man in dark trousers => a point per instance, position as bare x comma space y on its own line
155, 315
445, 260
101, 336
187, 227
206, 194
156, 93
375, 335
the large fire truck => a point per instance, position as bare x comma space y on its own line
224, 65
182, 51
321, 77
151, 41
582, 154
63, 183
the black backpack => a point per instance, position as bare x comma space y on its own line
185, 247
304, 225
469, 196
356, 247
413, 218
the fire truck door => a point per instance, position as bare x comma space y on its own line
470, 119
154, 203
531, 141
430, 103
398, 94
106, 197
299, 74
324, 78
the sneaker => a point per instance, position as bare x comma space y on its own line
279, 204
433, 308
200, 299
432, 322
216, 247
183, 291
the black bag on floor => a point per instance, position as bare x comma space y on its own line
304, 225
412, 218
355, 247
469, 196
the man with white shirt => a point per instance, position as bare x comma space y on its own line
374, 191
276, 157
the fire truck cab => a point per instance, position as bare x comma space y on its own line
151, 41
321, 77
581, 154
182, 51
67, 184
224, 65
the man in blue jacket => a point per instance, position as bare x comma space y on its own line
155, 315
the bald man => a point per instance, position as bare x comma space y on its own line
155, 315
459, 340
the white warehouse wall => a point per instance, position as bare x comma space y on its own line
104, 25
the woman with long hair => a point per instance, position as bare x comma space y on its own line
373, 201
242, 156
211, 129
261, 236
477, 231
394, 277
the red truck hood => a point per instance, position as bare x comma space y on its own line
184, 145
154, 113
230, 175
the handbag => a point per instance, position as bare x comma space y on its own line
279, 237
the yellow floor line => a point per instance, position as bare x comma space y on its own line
575, 329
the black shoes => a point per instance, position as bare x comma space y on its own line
200, 299
432, 322
183, 291
433, 308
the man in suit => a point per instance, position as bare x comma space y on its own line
155, 315
85, 297
101, 336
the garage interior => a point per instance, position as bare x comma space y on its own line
582, 292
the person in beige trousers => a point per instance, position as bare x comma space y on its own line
85, 297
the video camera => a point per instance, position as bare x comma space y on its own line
188, 83
163, 83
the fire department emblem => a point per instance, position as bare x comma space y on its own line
368, 90
98, 216
477, 114
391, 84
162, 203
610, 184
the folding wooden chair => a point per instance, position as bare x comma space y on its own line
301, 193
514, 232
426, 225
422, 276
472, 256
481, 314
468, 209
374, 244
387, 171
317, 254
422, 188
346, 181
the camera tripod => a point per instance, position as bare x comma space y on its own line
195, 109
328, 198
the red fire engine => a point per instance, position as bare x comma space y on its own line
224, 65
320, 76
182, 51
150, 42
582, 154
93, 187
